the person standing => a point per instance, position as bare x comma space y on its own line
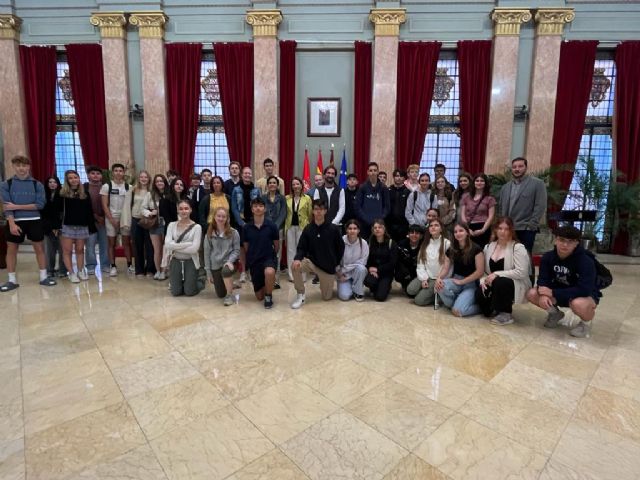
51, 216
332, 195
93, 187
372, 200
23, 198
318, 181
298, 216
269, 169
243, 194
320, 250
113, 198
131, 215
413, 172
524, 200
350, 194
151, 208
479, 210
398, 195
233, 180
419, 201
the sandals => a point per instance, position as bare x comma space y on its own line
48, 282
7, 287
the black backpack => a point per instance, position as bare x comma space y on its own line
603, 274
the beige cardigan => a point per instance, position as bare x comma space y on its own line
516, 267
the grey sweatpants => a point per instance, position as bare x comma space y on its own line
183, 278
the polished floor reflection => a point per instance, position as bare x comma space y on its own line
119, 380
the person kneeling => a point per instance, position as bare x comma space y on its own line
221, 251
181, 245
320, 250
433, 265
567, 278
506, 264
353, 267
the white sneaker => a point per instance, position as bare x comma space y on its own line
73, 278
156, 275
298, 302
162, 276
243, 277
82, 275
131, 269
113, 272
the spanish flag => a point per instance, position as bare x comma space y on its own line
306, 172
319, 167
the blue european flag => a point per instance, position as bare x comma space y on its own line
343, 170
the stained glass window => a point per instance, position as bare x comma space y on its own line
211, 142
442, 143
68, 152
596, 145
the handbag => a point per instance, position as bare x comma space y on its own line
151, 222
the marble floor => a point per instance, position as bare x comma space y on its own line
117, 380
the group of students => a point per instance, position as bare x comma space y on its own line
361, 237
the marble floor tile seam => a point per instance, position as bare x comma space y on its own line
277, 447
24, 430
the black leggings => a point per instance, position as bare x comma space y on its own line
498, 297
380, 287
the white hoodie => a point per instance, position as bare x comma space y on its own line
355, 253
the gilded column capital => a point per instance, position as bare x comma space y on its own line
111, 24
264, 22
150, 24
508, 20
387, 21
550, 21
10, 26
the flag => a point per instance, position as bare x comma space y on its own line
319, 167
331, 159
306, 172
343, 170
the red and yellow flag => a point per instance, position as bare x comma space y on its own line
306, 172
319, 167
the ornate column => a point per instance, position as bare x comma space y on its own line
12, 108
265, 86
116, 87
152, 57
544, 83
385, 82
503, 85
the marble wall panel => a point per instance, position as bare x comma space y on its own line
385, 86
116, 94
12, 107
265, 102
542, 101
503, 85
156, 130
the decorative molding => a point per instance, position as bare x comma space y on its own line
111, 24
550, 21
10, 26
387, 21
150, 24
264, 22
508, 20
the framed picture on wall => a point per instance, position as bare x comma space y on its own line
323, 117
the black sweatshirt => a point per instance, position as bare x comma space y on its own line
323, 245
78, 212
383, 256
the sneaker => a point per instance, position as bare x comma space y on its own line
131, 270
162, 276
553, 318
83, 275
91, 271
276, 286
502, 319
73, 278
358, 298
297, 303
268, 301
243, 277
156, 275
315, 281
583, 330
113, 271
228, 301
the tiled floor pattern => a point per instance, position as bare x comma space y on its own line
120, 381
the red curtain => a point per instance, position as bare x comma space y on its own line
287, 132
38, 65
627, 104
577, 59
363, 82
183, 94
235, 79
474, 61
417, 62
87, 87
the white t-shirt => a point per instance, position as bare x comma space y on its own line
433, 256
117, 192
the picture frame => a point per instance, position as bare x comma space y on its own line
323, 116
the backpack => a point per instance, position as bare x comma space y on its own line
603, 275
415, 199
35, 183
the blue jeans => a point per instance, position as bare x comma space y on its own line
100, 237
460, 297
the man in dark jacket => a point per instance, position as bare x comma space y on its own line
319, 250
567, 278
372, 200
350, 197
396, 221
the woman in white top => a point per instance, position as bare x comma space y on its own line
353, 266
433, 265
131, 215
507, 274
181, 245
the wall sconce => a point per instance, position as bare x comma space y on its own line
136, 112
521, 112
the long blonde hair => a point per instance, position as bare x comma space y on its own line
213, 225
66, 190
139, 186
